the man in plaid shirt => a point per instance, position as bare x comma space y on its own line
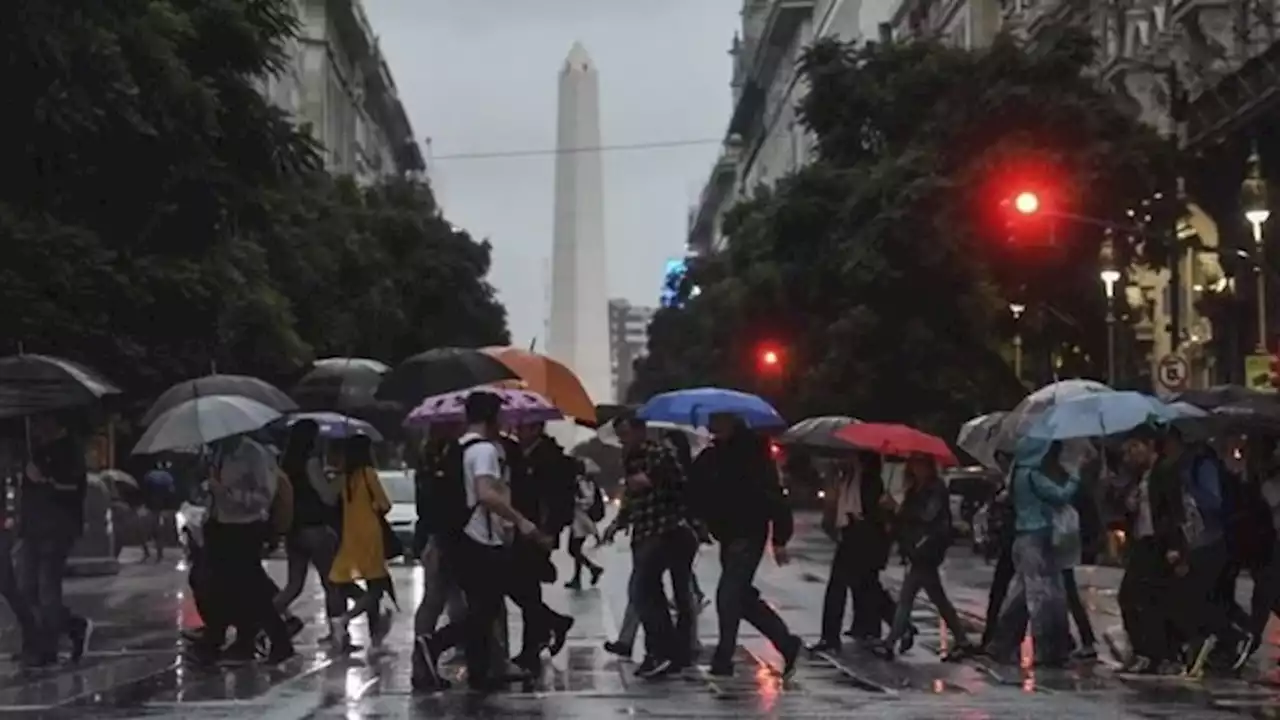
664, 538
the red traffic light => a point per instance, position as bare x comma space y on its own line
769, 357
1026, 203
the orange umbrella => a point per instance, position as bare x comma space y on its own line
549, 379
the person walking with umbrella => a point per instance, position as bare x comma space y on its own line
362, 553
313, 538
737, 464
51, 519
923, 524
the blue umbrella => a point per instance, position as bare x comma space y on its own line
1105, 413
336, 426
695, 406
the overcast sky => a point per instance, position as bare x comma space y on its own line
479, 76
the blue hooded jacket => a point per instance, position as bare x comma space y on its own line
1035, 495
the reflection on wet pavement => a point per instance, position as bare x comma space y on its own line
136, 669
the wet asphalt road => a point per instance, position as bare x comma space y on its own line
136, 668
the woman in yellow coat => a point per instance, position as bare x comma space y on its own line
360, 554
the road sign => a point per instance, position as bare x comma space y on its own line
1257, 373
1172, 373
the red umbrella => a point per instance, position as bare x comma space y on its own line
897, 440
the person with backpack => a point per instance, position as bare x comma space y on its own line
1201, 621
437, 488
311, 535
477, 534
243, 486
588, 510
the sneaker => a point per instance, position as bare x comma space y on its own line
1200, 658
559, 634
1244, 650
825, 646
720, 668
280, 652
654, 668
1086, 653
573, 585
426, 664
613, 647
1138, 665
790, 655
907, 641
81, 632
596, 572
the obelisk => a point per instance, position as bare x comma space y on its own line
579, 328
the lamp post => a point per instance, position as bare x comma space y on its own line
1109, 276
1016, 309
1257, 210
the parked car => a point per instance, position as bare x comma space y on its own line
403, 518
971, 488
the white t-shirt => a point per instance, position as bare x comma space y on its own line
479, 460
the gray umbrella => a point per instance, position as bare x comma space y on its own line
31, 384
240, 385
202, 420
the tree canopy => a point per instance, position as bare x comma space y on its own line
884, 268
159, 215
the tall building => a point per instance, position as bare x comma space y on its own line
628, 342
338, 84
765, 140
579, 327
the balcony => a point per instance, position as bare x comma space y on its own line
703, 219
760, 64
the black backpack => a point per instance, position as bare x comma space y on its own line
446, 501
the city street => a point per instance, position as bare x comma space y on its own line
135, 668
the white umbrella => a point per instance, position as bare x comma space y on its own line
202, 420
978, 438
1016, 423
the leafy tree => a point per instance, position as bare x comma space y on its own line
159, 216
884, 267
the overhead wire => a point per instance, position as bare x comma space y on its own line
622, 147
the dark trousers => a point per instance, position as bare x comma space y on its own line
312, 546
1144, 600
580, 559
653, 557
737, 598
43, 564
1266, 594
1000, 581
1079, 614
12, 594
481, 572
1196, 611
244, 592
853, 576
923, 576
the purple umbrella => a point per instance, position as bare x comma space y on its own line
518, 407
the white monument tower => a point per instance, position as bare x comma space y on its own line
579, 328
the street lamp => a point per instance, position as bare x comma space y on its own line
1016, 309
1257, 210
1109, 276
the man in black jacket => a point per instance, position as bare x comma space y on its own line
738, 465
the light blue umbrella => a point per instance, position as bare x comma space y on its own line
1105, 413
336, 426
695, 406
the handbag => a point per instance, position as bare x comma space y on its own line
1066, 537
392, 548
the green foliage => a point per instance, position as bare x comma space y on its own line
883, 268
158, 215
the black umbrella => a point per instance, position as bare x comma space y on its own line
1220, 395
439, 371
818, 433
337, 385
240, 385
31, 384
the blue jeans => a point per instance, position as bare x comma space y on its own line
1036, 596
652, 558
